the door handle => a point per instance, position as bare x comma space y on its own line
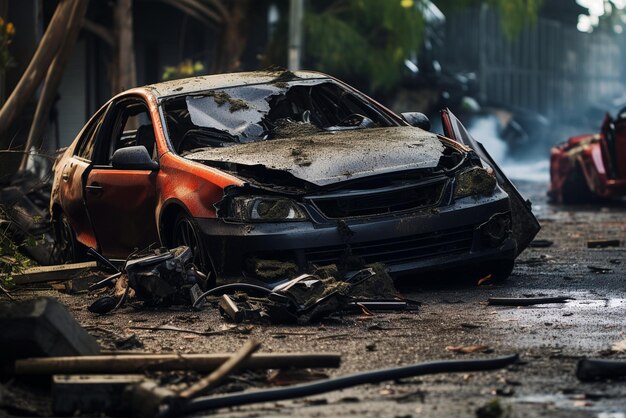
94, 188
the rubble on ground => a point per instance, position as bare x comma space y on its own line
25, 219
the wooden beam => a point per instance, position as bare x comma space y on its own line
61, 272
36, 70
139, 363
53, 81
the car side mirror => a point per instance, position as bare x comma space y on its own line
133, 158
417, 119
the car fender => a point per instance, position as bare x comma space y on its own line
525, 224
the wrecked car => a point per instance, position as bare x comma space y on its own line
590, 167
266, 174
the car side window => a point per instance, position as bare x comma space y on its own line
134, 128
130, 125
87, 142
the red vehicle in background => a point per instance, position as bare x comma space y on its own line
588, 168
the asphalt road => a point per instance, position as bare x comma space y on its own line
550, 339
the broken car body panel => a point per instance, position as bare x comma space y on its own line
298, 168
330, 158
525, 224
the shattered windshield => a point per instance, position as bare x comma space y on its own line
229, 116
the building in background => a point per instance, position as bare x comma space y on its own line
163, 37
551, 68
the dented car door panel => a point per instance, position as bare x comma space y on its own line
122, 205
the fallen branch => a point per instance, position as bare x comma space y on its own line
6, 293
187, 331
526, 301
228, 367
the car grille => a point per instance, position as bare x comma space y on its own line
382, 202
399, 250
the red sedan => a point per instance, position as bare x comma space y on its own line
265, 174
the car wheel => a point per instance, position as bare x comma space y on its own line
576, 190
501, 270
186, 232
69, 249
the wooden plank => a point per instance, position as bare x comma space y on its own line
139, 363
61, 272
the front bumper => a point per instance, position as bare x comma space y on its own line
447, 237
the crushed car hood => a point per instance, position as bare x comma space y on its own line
328, 158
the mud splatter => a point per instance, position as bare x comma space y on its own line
271, 269
283, 78
286, 128
221, 98
475, 181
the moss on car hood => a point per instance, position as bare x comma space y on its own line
330, 157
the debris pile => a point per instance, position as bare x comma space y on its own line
167, 277
25, 220
162, 278
311, 297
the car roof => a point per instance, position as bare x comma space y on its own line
208, 82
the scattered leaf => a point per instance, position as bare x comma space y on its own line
484, 280
466, 349
619, 347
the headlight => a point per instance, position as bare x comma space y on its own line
474, 181
496, 229
266, 209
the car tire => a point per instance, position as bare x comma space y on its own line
186, 232
69, 249
501, 270
576, 190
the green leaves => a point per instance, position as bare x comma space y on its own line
367, 41
11, 260
364, 39
514, 14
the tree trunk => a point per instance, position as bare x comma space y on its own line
124, 72
36, 70
232, 40
53, 80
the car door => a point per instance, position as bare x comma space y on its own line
525, 224
73, 175
122, 202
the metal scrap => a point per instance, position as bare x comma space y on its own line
311, 297
526, 301
161, 278
603, 243
597, 369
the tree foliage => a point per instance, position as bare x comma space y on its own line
514, 14
367, 41
363, 40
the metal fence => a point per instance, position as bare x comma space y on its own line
549, 67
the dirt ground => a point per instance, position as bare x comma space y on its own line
549, 338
